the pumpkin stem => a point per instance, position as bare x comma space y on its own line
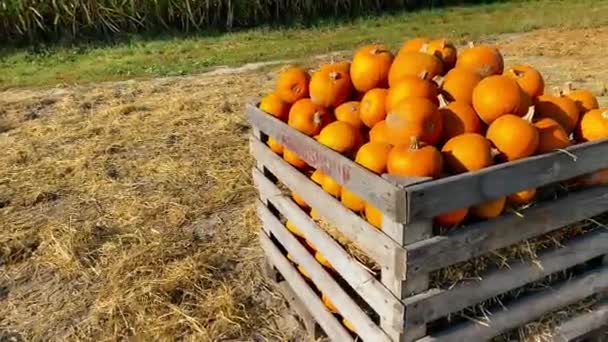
494, 152
439, 80
379, 49
518, 73
317, 118
558, 91
424, 75
529, 114
414, 143
424, 48
471, 45
442, 101
334, 76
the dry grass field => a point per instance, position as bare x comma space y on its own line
126, 209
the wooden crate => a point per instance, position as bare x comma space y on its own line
407, 249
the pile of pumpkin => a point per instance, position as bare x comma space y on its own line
429, 111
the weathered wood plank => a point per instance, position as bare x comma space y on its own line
300, 310
465, 243
363, 282
450, 193
527, 309
307, 296
436, 303
348, 308
370, 240
583, 324
366, 184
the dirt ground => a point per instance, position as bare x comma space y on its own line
127, 208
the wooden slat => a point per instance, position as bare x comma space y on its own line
307, 296
367, 185
370, 240
583, 324
450, 193
436, 303
528, 308
348, 308
465, 243
310, 324
363, 282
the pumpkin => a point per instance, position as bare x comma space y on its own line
372, 108
343, 66
308, 118
528, 79
414, 117
303, 272
317, 176
490, 209
459, 83
414, 44
293, 229
330, 86
292, 84
299, 201
331, 186
310, 246
445, 50
328, 304
373, 215
274, 145
411, 86
349, 112
370, 67
596, 178
351, 200
415, 160
483, 59
584, 99
379, 133
552, 136
272, 104
513, 136
322, 260
314, 214
495, 96
451, 218
414, 64
458, 118
467, 152
593, 126
559, 108
348, 325
339, 136
293, 159
522, 197
374, 156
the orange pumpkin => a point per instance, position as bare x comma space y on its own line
411, 86
489, 210
293, 159
351, 200
459, 83
513, 136
299, 201
314, 214
317, 176
374, 156
308, 118
339, 136
458, 118
322, 260
274, 145
522, 197
379, 133
414, 44
293, 229
370, 67
559, 108
584, 99
304, 272
415, 160
372, 108
482, 59
328, 304
451, 218
467, 152
593, 126
373, 215
272, 104
330, 86
552, 136
445, 50
292, 84
348, 325
414, 117
596, 178
349, 112
343, 66
331, 186
528, 78
495, 96
414, 64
